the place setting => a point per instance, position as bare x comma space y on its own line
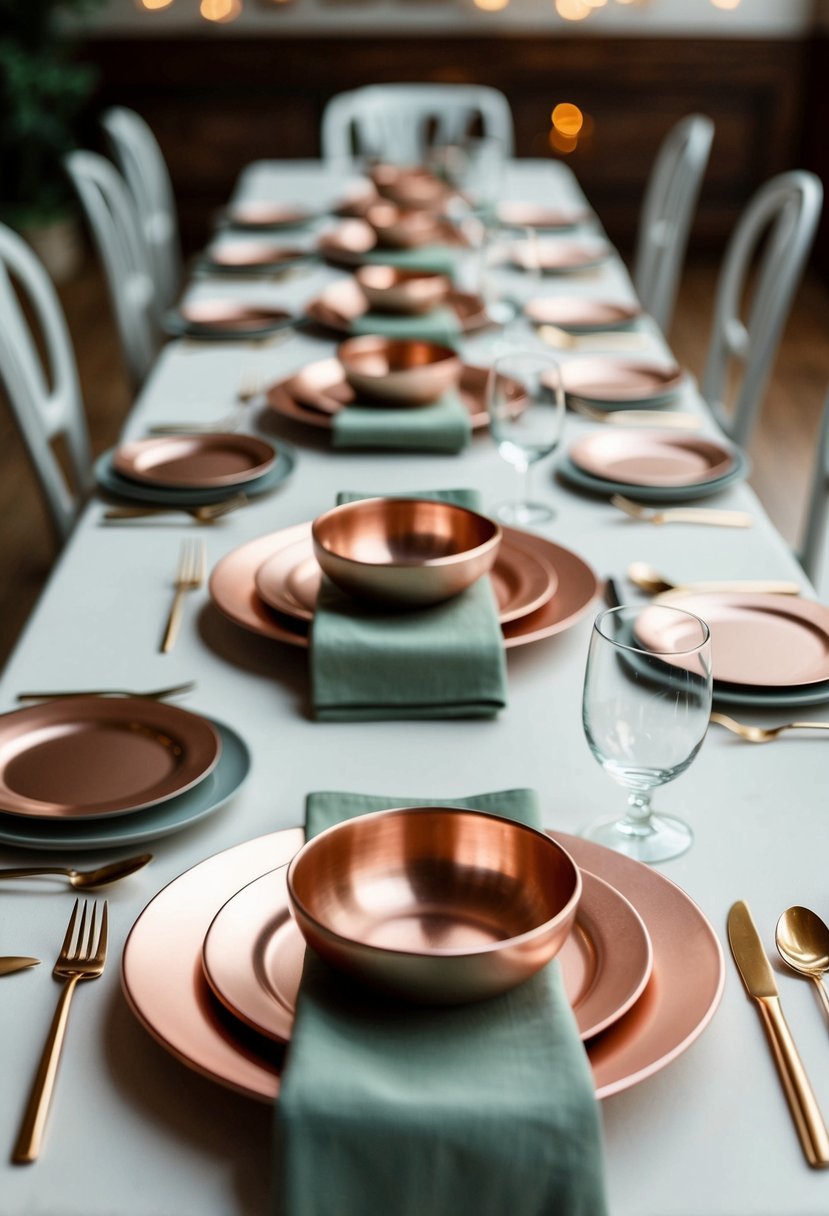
387, 233
250, 257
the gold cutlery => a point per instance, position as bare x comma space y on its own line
682, 515
207, 514
652, 418
643, 575
78, 960
802, 940
763, 734
83, 880
759, 981
9, 963
598, 340
157, 694
189, 577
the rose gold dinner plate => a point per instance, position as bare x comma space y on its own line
195, 461
652, 458
579, 312
223, 315
532, 215
604, 379
343, 303
164, 981
351, 240
312, 396
254, 952
560, 256
761, 641
245, 255
84, 757
255, 215
289, 581
233, 589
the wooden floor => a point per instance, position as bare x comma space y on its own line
782, 451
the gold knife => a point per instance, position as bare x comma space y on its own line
757, 976
16, 962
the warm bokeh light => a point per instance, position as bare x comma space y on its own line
563, 144
573, 10
725, 3
220, 10
491, 6
595, 3
567, 119
154, 4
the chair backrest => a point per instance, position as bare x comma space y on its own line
45, 398
113, 222
784, 213
393, 121
144, 169
667, 211
817, 509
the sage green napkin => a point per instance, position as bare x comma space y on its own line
442, 259
441, 325
442, 427
446, 661
485, 1109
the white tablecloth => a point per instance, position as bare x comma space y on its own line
135, 1133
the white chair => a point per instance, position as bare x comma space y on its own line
44, 396
394, 121
782, 216
117, 233
144, 169
812, 555
667, 211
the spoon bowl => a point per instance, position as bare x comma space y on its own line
802, 940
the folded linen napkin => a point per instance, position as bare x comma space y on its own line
444, 426
485, 1109
446, 661
442, 259
440, 325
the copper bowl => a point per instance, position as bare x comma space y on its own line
399, 228
399, 371
409, 187
404, 552
436, 905
388, 289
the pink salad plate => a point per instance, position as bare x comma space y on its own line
253, 255
233, 589
342, 304
222, 315
195, 461
602, 379
652, 458
560, 255
163, 977
536, 215
580, 312
256, 215
254, 952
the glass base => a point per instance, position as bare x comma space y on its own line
662, 838
519, 514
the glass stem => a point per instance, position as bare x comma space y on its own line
637, 822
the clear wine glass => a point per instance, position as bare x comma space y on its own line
525, 400
646, 707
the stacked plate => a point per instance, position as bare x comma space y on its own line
270, 586
545, 219
193, 470
253, 257
226, 320
343, 304
581, 314
561, 256
217, 955
768, 651
260, 215
654, 465
88, 772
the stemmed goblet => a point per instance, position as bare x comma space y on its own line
646, 707
525, 400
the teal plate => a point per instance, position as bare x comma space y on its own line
630, 403
110, 480
657, 494
160, 820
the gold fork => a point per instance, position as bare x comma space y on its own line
189, 577
653, 418
598, 340
763, 734
682, 515
82, 961
206, 514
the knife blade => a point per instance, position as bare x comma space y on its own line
16, 962
755, 970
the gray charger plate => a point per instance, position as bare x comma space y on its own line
110, 480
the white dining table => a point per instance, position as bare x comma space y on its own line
133, 1131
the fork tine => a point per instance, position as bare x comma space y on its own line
101, 952
67, 941
200, 562
76, 953
91, 935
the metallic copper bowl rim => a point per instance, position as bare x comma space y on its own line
437, 952
356, 346
430, 563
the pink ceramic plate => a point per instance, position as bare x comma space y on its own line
164, 982
562, 256
195, 461
257, 215
652, 458
580, 313
254, 952
252, 255
602, 379
231, 316
531, 215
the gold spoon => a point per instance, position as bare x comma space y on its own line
803, 942
643, 575
85, 880
763, 734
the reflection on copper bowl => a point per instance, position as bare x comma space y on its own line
436, 905
388, 289
399, 371
404, 552
409, 187
398, 228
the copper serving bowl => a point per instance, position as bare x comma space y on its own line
409, 187
388, 289
404, 552
400, 228
437, 905
399, 371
